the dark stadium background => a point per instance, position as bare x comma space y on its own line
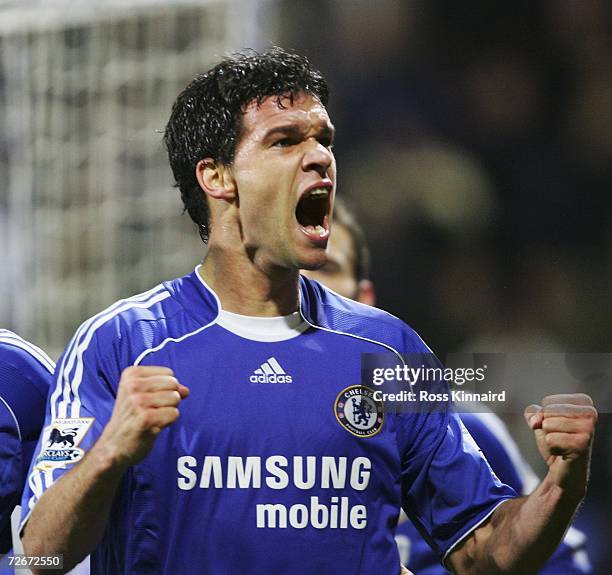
475, 139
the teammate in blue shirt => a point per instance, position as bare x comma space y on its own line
25, 375
281, 461
347, 272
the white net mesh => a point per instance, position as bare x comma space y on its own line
87, 209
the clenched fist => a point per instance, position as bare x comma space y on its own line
564, 426
147, 401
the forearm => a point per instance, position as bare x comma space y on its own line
71, 516
521, 534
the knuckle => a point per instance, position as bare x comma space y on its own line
132, 384
588, 416
128, 371
139, 400
171, 414
554, 399
583, 440
551, 408
134, 371
144, 419
126, 381
584, 398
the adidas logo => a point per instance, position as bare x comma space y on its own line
270, 372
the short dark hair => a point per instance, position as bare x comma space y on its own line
345, 216
206, 118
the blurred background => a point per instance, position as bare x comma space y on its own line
474, 140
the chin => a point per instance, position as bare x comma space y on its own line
312, 263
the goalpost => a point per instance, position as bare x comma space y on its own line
88, 213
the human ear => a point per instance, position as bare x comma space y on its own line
216, 179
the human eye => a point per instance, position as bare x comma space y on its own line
327, 141
284, 142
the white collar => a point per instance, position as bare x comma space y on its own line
268, 329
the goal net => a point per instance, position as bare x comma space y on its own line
88, 213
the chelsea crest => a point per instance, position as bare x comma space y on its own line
358, 412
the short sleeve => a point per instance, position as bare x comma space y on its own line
79, 406
448, 487
501, 451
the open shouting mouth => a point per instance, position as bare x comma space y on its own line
312, 212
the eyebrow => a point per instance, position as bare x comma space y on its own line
296, 130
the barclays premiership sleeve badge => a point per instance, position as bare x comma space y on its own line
60, 443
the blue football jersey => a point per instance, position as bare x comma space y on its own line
501, 451
280, 462
25, 375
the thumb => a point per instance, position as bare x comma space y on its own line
533, 416
183, 391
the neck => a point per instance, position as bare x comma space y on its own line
244, 288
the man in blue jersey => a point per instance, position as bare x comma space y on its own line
346, 272
25, 375
281, 461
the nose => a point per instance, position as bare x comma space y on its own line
317, 157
